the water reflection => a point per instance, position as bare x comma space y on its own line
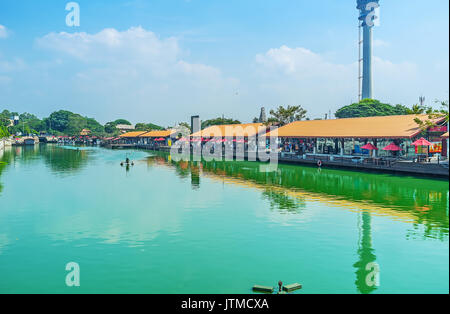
63, 160
106, 206
281, 201
419, 201
365, 283
6, 157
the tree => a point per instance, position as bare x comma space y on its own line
110, 127
122, 121
418, 109
433, 115
185, 125
4, 121
147, 127
59, 120
219, 121
66, 122
3, 131
370, 108
283, 116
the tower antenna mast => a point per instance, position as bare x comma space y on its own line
366, 19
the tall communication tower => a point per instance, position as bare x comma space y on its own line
367, 17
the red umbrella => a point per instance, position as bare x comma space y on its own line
392, 147
422, 142
369, 146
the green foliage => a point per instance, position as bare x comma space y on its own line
370, 108
433, 115
110, 127
4, 131
185, 125
418, 109
147, 127
4, 121
66, 122
8, 114
219, 121
122, 121
283, 116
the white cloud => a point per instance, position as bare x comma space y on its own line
135, 45
301, 76
3, 32
135, 67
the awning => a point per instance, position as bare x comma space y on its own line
369, 146
422, 142
392, 147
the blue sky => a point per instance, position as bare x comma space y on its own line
162, 61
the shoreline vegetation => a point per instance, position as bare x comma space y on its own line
66, 123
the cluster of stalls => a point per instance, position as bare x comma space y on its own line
144, 138
372, 137
230, 136
387, 136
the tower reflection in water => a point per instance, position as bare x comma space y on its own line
421, 202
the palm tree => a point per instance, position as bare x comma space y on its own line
434, 115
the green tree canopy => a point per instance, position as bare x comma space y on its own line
3, 131
219, 121
370, 108
70, 123
147, 127
283, 116
434, 115
110, 127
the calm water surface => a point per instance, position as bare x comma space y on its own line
213, 227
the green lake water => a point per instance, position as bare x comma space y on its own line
214, 227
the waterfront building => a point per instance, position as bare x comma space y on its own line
231, 131
346, 137
85, 132
445, 145
123, 128
159, 138
131, 137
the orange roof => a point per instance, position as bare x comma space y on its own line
132, 134
85, 132
445, 135
164, 133
371, 127
231, 130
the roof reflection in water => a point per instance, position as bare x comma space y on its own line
418, 201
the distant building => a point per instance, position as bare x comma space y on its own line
16, 120
195, 124
85, 132
262, 116
125, 128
